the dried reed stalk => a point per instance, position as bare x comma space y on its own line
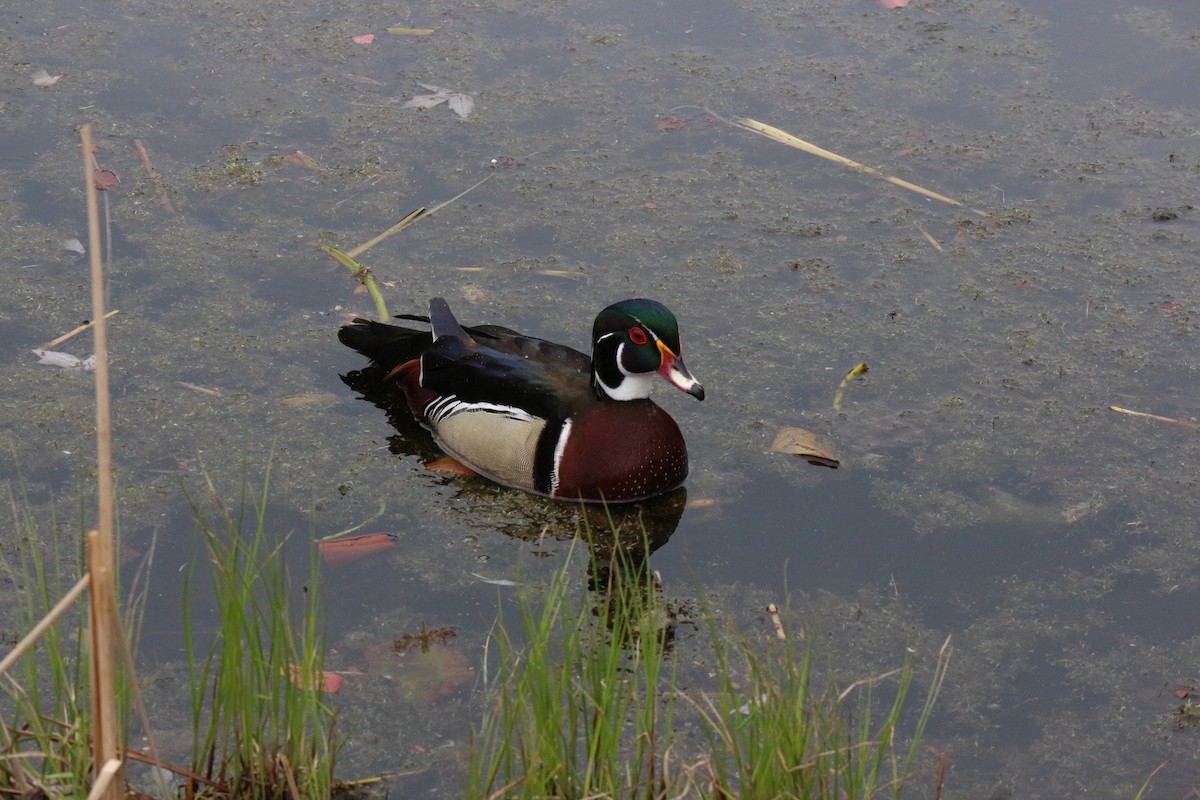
105, 628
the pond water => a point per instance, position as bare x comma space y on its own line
987, 493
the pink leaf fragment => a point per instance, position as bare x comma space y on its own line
365, 38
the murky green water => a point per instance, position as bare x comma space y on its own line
988, 492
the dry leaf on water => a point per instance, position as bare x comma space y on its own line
815, 448
459, 103
302, 159
43, 78
366, 38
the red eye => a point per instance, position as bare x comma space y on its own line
638, 336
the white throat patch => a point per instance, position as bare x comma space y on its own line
636, 386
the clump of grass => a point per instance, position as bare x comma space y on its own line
785, 735
44, 728
586, 706
577, 711
261, 726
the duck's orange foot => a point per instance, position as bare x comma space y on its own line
449, 466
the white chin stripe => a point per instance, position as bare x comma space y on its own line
634, 387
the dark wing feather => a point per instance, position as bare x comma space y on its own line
546, 379
491, 364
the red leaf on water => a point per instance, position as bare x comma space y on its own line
889, 4
366, 38
335, 552
328, 682
671, 123
106, 180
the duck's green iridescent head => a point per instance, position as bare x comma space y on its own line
632, 340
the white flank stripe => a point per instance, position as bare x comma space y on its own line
443, 408
559, 447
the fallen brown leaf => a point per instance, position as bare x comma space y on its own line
816, 449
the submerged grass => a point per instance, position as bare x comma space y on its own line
586, 705
262, 728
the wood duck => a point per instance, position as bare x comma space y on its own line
541, 416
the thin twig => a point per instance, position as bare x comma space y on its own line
1183, 423
44, 623
773, 610
420, 213
74, 333
783, 137
176, 769
155, 178
771, 132
929, 238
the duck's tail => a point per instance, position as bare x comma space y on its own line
388, 346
